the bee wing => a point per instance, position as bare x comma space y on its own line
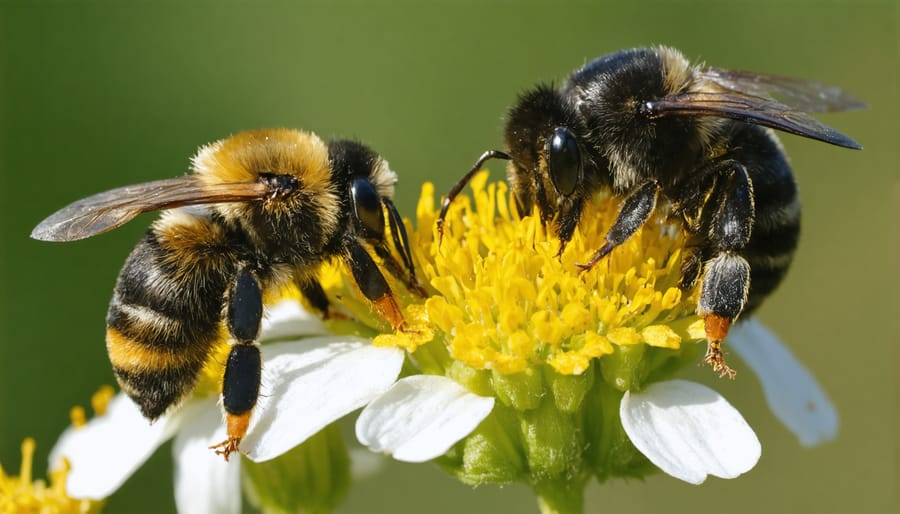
749, 109
803, 95
769, 100
111, 209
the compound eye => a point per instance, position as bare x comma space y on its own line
367, 207
563, 161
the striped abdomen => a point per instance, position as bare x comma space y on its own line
165, 316
776, 225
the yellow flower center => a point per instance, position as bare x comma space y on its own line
21, 494
505, 301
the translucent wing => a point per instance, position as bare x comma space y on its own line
803, 95
751, 98
111, 209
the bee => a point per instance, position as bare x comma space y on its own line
650, 127
261, 210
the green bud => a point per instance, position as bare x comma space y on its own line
475, 380
624, 368
492, 453
569, 390
609, 452
553, 443
311, 478
664, 363
431, 358
522, 391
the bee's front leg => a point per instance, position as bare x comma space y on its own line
726, 277
401, 244
635, 210
243, 371
372, 283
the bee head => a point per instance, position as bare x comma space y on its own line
369, 181
544, 137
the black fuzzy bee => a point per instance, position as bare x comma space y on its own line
648, 125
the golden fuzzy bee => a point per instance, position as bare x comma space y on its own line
261, 210
646, 124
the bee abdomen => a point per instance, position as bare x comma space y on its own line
155, 391
154, 365
770, 250
163, 323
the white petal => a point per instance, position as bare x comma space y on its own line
311, 383
204, 482
790, 389
421, 417
288, 318
109, 448
689, 431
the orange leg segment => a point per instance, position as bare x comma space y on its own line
237, 428
716, 329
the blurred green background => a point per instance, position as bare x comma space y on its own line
95, 95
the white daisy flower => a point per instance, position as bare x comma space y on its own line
529, 372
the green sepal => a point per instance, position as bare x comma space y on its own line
624, 369
432, 358
311, 478
609, 452
477, 381
491, 454
553, 442
664, 363
522, 391
569, 390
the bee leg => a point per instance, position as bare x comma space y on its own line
691, 266
726, 277
397, 270
635, 211
401, 244
372, 283
407, 271
243, 370
369, 213
567, 221
312, 290
490, 154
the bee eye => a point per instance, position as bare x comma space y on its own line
563, 161
367, 207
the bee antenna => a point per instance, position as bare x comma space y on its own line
486, 156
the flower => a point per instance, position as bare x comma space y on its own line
523, 369
19, 494
308, 383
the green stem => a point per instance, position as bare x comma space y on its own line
560, 497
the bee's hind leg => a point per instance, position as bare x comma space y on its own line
243, 370
726, 277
